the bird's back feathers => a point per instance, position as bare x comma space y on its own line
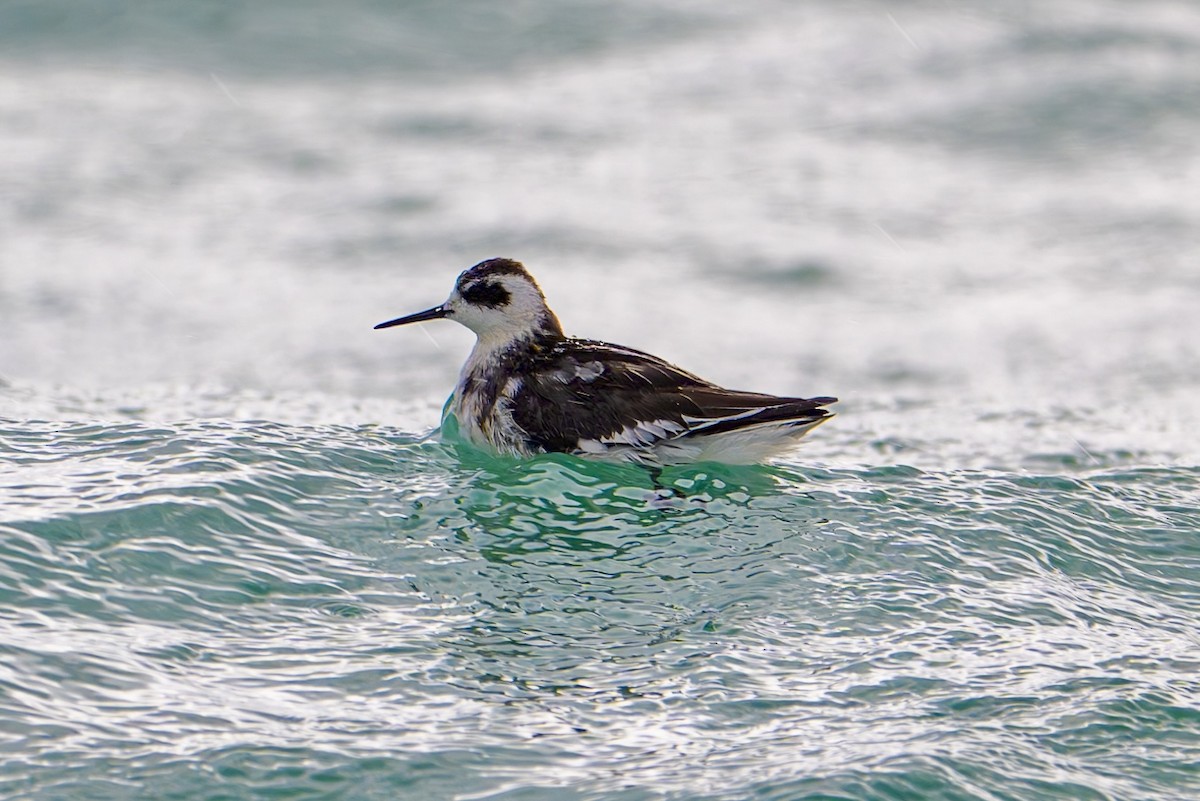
591, 397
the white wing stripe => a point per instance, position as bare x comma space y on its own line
707, 421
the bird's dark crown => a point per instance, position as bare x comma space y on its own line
493, 267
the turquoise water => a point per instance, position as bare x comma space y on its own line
219, 610
236, 560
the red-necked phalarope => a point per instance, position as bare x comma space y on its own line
527, 388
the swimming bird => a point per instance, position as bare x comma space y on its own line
527, 388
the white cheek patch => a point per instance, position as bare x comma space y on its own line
520, 316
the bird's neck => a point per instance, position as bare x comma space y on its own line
542, 331
499, 349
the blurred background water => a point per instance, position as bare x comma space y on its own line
235, 562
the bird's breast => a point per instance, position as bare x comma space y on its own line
483, 408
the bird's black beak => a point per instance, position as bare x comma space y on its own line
435, 313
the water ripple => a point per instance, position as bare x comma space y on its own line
207, 604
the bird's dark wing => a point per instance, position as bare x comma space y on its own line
581, 394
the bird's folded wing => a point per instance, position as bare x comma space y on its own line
597, 395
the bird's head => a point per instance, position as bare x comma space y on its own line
498, 300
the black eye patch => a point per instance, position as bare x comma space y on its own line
486, 293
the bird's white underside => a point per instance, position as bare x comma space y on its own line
747, 445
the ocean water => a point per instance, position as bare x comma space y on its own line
238, 560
